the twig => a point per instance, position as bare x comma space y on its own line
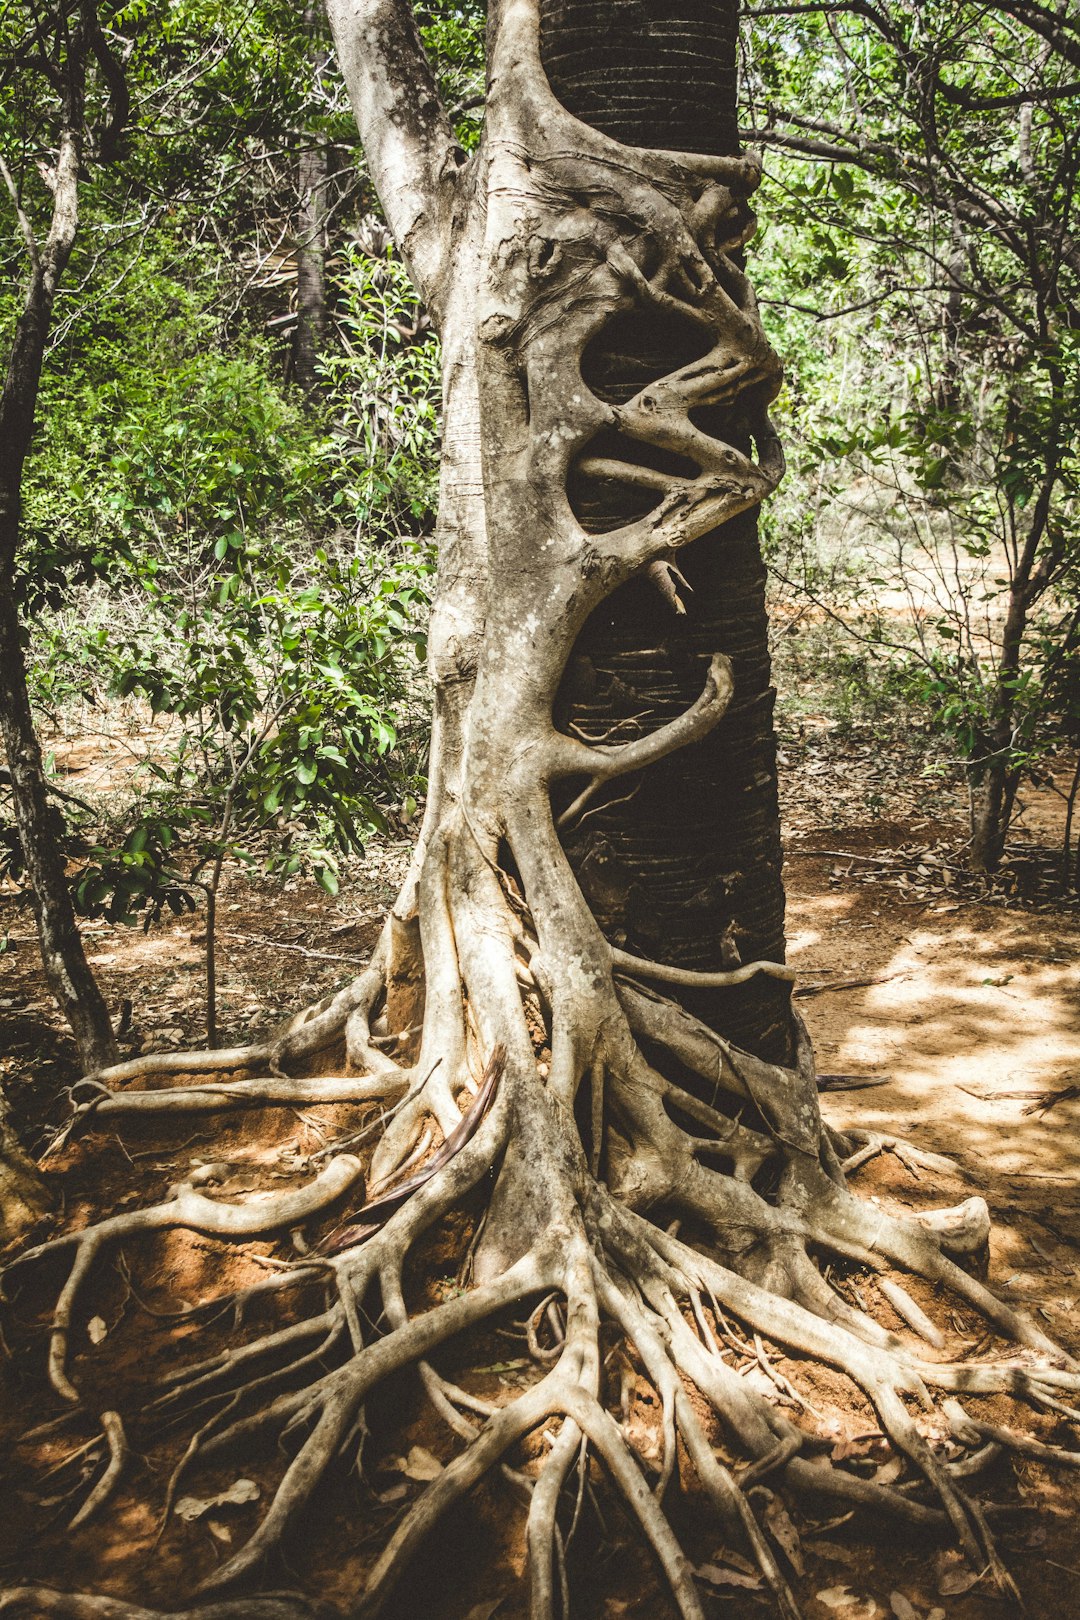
844, 855
850, 1082
844, 984
24, 224
301, 950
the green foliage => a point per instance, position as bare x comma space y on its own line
251, 570
919, 274
453, 36
385, 390
285, 655
239, 573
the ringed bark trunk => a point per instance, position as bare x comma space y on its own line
688, 869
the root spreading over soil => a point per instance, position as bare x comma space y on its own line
731, 1147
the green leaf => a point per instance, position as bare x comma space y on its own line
327, 879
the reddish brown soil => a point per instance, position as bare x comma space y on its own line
971, 999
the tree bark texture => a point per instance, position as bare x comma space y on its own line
310, 266
311, 235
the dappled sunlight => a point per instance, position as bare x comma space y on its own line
961, 1014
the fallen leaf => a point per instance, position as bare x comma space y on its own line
96, 1329
889, 1471
851, 1448
832, 1551
219, 1530
241, 1491
779, 1525
724, 1555
853, 1607
953, 1575
901, 1607
421, 1465
720, 1575
956, 1582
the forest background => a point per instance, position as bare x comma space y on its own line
226, 542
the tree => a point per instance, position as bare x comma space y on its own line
59, 49
187, 496
310, 331
941, 142
585, 1109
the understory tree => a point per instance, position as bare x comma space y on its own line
64, 51
161, 505
937, 147
635, 1138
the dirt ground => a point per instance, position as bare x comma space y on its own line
942, 1010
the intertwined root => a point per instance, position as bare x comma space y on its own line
42, 1601
567, 1240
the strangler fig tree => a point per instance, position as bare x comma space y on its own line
577, 1016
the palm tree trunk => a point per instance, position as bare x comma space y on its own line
688, 869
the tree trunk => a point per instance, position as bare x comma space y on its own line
998, 772
66, 969
688, 868
992, 796
311, 234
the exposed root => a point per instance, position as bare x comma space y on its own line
639, 967
967, 1428
190, 1209
37, 1602
237, 1094
580, 1251
113, 1429
674, 1306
